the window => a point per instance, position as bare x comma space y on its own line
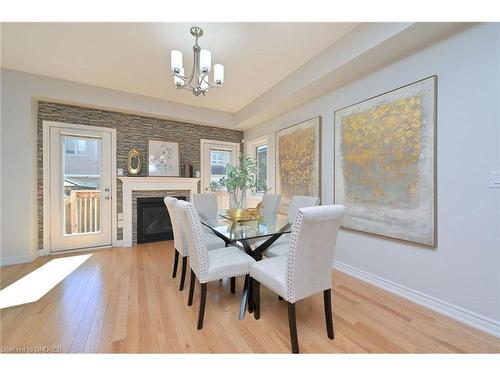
75, 146
258, 150
261, 159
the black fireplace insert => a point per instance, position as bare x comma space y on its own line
153, 221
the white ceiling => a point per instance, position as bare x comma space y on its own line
135, 57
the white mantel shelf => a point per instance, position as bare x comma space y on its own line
131, 184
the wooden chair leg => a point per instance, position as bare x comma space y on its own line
191, 288
233, 284
250, 295
292, 322
203, 300
176, 261
327, 299
256, 298
183, 272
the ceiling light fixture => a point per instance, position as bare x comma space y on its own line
197, 82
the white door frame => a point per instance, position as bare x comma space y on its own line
203, 169
46, 127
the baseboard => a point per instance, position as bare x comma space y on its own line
470, 318
43, 252
9, 261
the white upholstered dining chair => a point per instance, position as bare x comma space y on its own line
281, 245
271, 204
180, 243
306, 269
206, 205
206, 265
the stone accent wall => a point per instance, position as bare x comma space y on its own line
150, 193
131, 131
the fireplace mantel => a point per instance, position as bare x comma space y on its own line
131, 184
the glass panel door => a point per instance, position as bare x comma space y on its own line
81, 182
80, 189
215, 157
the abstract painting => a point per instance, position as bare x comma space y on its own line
385, 163
163, 158
298, 161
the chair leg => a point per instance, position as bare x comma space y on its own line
250, 295
176, 261
292, 322
183, 273
191, 288
233, 284
256, 298
327, 299
203, 300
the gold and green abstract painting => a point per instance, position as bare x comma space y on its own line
298, 161
384, 163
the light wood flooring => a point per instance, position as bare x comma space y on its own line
124, 300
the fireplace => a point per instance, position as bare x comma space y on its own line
153, 221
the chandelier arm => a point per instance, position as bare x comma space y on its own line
214, 85
180, 76
187, 86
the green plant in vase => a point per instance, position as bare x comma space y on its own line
238, 179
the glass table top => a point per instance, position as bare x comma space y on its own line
244, 230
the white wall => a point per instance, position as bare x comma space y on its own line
18, 145
464, 270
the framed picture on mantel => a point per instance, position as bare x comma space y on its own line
163, 158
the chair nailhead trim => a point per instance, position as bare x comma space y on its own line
290, 271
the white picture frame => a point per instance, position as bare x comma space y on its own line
163, 159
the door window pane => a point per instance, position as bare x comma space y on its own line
81, 185
261, 159
219, 159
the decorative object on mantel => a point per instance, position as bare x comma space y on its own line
163, 158
134, 158
298, 161
238, 179
188, 169
385, 163
197, 81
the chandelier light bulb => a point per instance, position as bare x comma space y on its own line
205, 60
219, 74
176, 61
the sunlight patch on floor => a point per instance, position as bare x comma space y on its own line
36, 284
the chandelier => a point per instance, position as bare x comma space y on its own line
197, 81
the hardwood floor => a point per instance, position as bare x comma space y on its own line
124, 300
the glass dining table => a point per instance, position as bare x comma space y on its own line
260, 233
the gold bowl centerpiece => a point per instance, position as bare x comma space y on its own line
243, 214
237, 214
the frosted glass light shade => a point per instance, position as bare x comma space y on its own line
178, 81
219, 74
205, 60
176, 60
